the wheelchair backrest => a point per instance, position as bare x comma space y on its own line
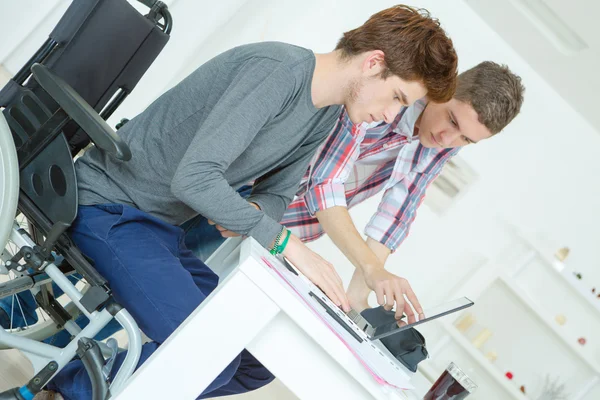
101, 48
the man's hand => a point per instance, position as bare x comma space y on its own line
391, 289
225, 232
319, 271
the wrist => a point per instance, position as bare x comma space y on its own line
292, 246
368, 269
275, 242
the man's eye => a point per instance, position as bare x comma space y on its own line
466, 139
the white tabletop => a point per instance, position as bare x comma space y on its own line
253, 308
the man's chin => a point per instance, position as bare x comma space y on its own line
425, 143
355, 121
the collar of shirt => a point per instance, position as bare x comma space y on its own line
405, 126
389, 137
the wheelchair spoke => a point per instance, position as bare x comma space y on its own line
22, 313
12, 248
12, 311
27, 319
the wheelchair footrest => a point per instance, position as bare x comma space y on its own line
93, 361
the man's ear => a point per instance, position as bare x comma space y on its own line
374, 63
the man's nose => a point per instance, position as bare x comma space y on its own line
389, 115
448, 137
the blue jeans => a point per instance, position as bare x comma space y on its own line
159, 281
200, 237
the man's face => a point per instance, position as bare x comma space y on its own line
370, 98
451, 124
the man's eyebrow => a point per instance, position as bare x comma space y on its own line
458, 126
403, 96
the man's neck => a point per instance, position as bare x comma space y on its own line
330, 79
418, 121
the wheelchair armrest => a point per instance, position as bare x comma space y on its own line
81, 112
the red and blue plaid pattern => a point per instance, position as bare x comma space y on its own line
336, 179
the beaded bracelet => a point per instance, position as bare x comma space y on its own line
275, 244
279, 248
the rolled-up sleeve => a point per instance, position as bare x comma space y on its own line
332, 166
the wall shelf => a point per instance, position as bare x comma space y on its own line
519, 297
493, 372
542, 315
559, 269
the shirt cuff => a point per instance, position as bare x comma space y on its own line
265, 231
273, 206
325, 196
387, 230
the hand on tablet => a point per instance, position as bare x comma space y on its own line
393, 290
318, 271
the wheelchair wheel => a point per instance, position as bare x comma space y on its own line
25, 317
9, 181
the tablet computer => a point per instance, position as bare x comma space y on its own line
392, 327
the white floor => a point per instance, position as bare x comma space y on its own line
15, 370
275, 391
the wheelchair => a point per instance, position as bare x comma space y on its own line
54, 107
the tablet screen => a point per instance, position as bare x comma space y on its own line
381, 331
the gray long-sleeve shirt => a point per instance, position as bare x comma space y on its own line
246, 114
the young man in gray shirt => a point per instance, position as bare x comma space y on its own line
256, 112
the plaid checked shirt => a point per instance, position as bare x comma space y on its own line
355, 163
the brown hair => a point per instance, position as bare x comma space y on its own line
415, 46
494, 92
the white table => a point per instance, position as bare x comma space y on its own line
265, 317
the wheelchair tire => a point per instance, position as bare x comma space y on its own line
9, 181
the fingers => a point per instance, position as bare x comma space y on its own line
211, 222
389, 297
333, 292
318, 271
410, 295
409, 313
380, 296
334, 275
224, 231
220, 228
392, 292
334, 285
